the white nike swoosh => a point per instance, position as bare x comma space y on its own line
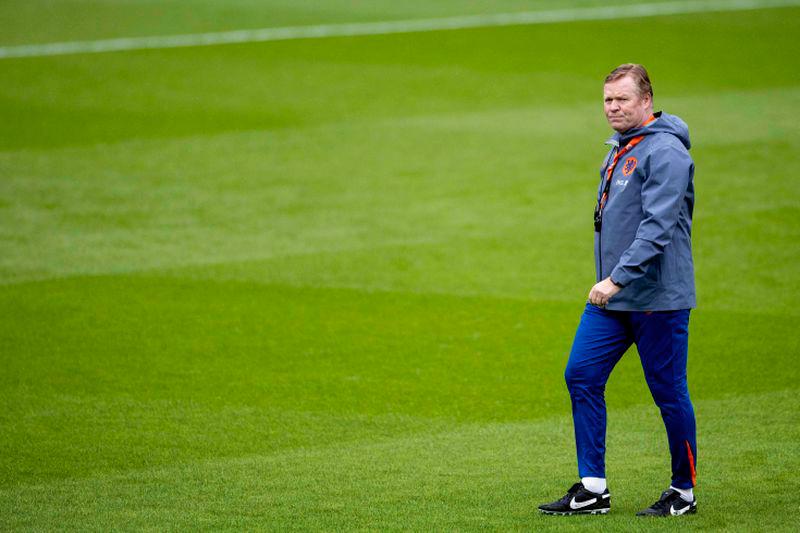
580, 505
678, 512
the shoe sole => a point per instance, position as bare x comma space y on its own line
693, 510
568, 513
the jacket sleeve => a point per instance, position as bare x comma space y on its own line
663, 193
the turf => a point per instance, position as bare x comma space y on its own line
331, 284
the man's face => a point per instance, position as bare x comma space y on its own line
625, 108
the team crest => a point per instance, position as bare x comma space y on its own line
629, 166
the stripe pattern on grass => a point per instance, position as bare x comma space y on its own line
389, 27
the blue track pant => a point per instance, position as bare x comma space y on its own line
662, 339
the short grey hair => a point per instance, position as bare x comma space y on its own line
637, 72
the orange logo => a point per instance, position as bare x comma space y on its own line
629, 166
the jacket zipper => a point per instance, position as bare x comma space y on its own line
600, 251
600, 233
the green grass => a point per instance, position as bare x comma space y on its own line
332, 284
48, 21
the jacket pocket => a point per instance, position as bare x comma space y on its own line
652, 273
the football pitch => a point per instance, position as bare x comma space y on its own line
331, 283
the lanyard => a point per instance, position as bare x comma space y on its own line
601, 202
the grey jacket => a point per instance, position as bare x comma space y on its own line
645, 240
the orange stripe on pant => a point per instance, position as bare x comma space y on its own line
691, 463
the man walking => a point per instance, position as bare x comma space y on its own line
643, 295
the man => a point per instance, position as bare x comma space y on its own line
643, 295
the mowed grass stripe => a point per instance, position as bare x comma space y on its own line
390, 27
473, 476
118, 373
293, 206
258, 86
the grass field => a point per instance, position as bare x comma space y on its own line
331, 284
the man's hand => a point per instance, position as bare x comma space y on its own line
603, 291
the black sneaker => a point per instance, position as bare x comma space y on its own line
578, 500
670, 504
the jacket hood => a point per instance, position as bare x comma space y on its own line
664, 123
